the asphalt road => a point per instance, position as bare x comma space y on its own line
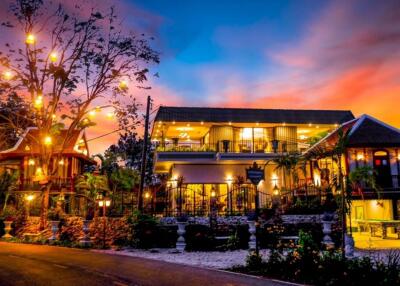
24, 264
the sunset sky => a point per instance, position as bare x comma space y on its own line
270, 54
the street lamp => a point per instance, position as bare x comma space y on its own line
103, 203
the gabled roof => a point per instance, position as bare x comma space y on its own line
249, 115
371, 132
365, 131
28, 144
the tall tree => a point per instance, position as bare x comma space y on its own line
67, 66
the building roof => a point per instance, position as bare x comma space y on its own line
249, 115
75, 144
364, 131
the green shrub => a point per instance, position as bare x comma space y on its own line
199, 238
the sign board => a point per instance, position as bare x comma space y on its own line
255, 174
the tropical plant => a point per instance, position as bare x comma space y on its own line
8, 183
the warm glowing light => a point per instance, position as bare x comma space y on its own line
53, 57
229, 179
101, 203
360, 156
275, 190
39, 171
303, 137
284, 123
309, 124
7, 75
184, 128
92, 113
54, 116
213, 194
31, 162
230, 123
257, 124
246, 133
147, 195
202, 122
61, 162
48, 141
38, 101
398, 156
30, 39
110, 115
303, 131
85, 121
108, 203
123, 84
336, 125
317, 126
97, 108
29, 198
173, 122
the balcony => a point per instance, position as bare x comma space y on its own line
58, 183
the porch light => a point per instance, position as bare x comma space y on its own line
257, 124
147, 195
202, 122
30, 39
173, 122
48, 141
317, 126
230, 123
31, 162
309, 124
360, 156
275, 190
53, 57
29, 198
229, 179
7, 75
213, 194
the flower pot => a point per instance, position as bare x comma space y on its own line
54, 229
7, 229
85, 240
181, 243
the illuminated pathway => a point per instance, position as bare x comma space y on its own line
24, 264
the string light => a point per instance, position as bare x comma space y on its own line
92, 113
123, 84
38, 101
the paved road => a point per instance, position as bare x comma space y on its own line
24, 264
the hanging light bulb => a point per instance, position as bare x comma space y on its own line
48, 141
38, 101
123, 84
7, 75
30, 39
53, 57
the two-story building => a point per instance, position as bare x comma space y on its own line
373, 143
70, 154
206, 152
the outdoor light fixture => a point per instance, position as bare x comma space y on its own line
147, 195
30, 39
360, 156
309, 124
123, 84
54, 117
48, 141
38, 101
173, 122
53, 57
213, 194
7, 75
61, 162
29, 198
31, 162
275, 190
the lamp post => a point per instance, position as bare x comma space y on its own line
103, 203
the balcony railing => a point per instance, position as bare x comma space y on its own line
57, 183
227, 146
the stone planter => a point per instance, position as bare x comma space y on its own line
180, 243
54, 229
85, 240
252, 231
7, 229
327, 230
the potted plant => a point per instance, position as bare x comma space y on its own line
9, 215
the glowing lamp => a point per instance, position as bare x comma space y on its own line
202, 123
101, 203
53, 57
48, 141
360, 156
108, 203
30, 39
123, 84
54, 117
110, 115
29, 198
275, 190
31, 162
7, 75
213, 194
92, 113
147, 195
38, 101
61, 162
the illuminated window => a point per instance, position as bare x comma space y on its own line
246, 133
